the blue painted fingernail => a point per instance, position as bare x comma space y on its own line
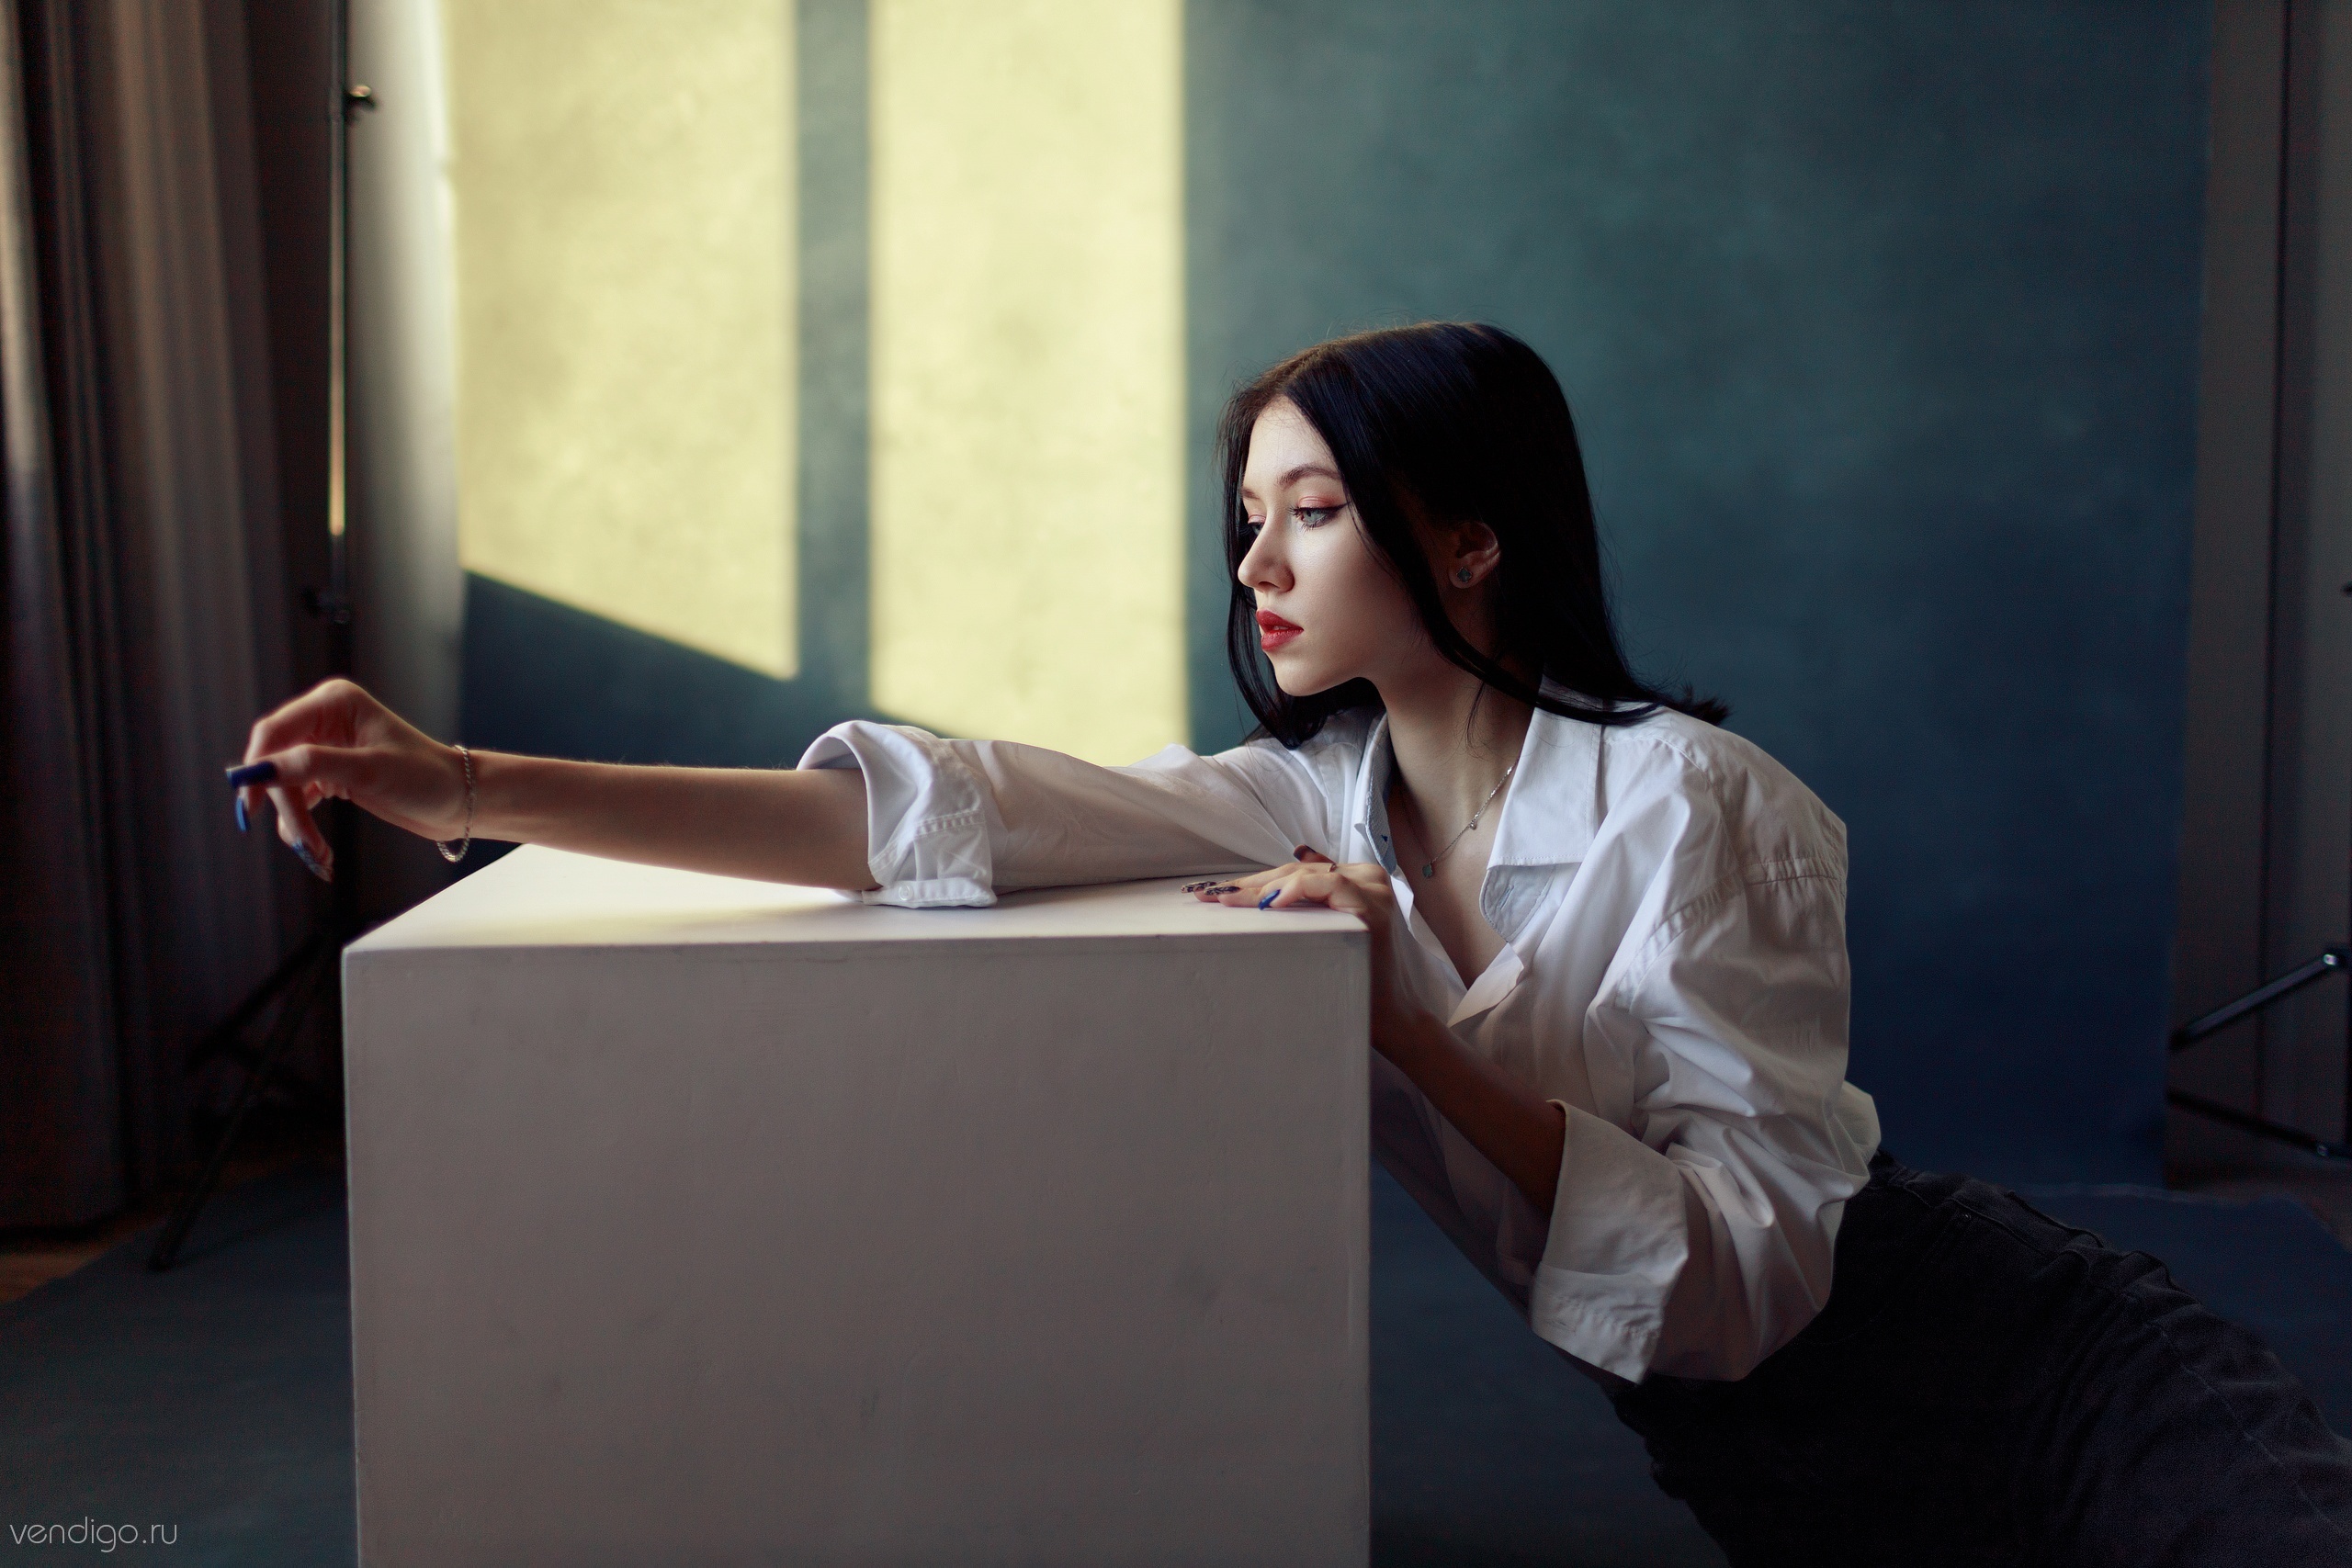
1270, 897
241, 813
312, 861
252, 773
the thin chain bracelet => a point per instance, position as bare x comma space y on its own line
454, 856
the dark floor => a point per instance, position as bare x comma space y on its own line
215, 1400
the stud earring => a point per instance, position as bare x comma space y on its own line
1463, 576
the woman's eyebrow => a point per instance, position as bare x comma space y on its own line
1292, 476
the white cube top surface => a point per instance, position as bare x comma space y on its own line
541, 898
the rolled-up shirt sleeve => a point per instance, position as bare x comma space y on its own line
953, 822
1698, 1236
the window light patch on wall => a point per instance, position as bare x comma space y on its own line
622, 173
1028, 371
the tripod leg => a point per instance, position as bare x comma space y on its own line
283, 1030
297, 964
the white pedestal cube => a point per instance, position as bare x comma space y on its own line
712, 1222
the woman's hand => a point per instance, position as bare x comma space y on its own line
335, 740
1360, 889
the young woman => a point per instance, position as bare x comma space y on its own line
1610, 993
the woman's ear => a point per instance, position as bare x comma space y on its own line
1470, 553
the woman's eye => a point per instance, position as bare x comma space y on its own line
1313, 516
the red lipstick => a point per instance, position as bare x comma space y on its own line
1273, 631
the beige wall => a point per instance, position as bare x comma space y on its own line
622, 177
1028, 371
621, 181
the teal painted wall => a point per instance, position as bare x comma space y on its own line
1880, 323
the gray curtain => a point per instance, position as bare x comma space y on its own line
148, 592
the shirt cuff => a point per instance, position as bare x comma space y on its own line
926, 815
1618, 1241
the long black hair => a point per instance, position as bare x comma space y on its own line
1461, 422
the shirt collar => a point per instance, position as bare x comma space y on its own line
1554, 804
1553, 807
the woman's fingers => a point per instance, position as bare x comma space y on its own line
384, 780
1341, 887
299, 832
1243, 887
284, 754
1220, 888
1314, 878
293, 781
1308, 884
336, 741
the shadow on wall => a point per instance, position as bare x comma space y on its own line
542, 677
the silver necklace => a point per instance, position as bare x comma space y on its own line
1428, 866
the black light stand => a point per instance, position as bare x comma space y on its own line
308, 977
2333, 960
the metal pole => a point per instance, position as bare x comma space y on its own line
2221, 1018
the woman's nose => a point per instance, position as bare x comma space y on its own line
1260, 566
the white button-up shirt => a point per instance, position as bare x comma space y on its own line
1673, 973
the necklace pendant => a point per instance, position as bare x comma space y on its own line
1429, 868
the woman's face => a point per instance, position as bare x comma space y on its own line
1328, 609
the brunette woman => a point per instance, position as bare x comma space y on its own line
1609, 994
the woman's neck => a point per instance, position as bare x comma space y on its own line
1452, 738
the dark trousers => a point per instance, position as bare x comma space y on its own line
1989, 1386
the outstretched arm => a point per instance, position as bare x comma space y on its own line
781, 824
